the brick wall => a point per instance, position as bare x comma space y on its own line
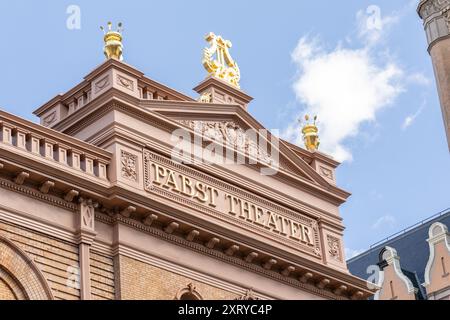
102, 277
58, 260
6, 292
138, 280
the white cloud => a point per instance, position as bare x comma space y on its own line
347, 87
350, 253
419, 79
384, 221
409, 120
344, 87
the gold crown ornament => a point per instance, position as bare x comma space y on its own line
113, 48
311, 134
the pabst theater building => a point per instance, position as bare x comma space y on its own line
110, 196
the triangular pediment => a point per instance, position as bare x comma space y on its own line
237, 129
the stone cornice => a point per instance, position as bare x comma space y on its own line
33, 193
213, 81
107, 64
319, 271
110, 63
308, 156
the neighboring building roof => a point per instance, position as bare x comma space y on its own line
411, 246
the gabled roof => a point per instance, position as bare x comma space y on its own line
411, 245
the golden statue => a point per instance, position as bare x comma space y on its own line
223, 67
113, 48
311, 134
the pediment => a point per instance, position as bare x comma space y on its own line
237, 130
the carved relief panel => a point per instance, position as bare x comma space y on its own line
232, 135
129, 165
114, 79
87, 214
333, 247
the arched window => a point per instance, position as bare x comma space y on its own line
188, 296
188, 293
15, 265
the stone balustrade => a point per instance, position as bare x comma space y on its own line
53, 146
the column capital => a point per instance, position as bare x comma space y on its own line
436, 19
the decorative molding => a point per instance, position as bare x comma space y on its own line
327, 173
129, 165
125, 82
128, 211
101, 84
392, 259
431, 7
24, 220
87, 214
334, 247
249, 295
149, 156
232, 135
46, 186
33, 193
21, 177
70, 195
438, 232
48, 120
218, 254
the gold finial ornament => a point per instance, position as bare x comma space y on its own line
113, 48
223, 67
311, 134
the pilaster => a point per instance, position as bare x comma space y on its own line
86, 236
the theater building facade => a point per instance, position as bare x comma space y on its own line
101, 200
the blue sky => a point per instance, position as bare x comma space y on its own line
367, 76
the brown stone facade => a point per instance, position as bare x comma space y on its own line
440, 55
436, 20
97, 205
